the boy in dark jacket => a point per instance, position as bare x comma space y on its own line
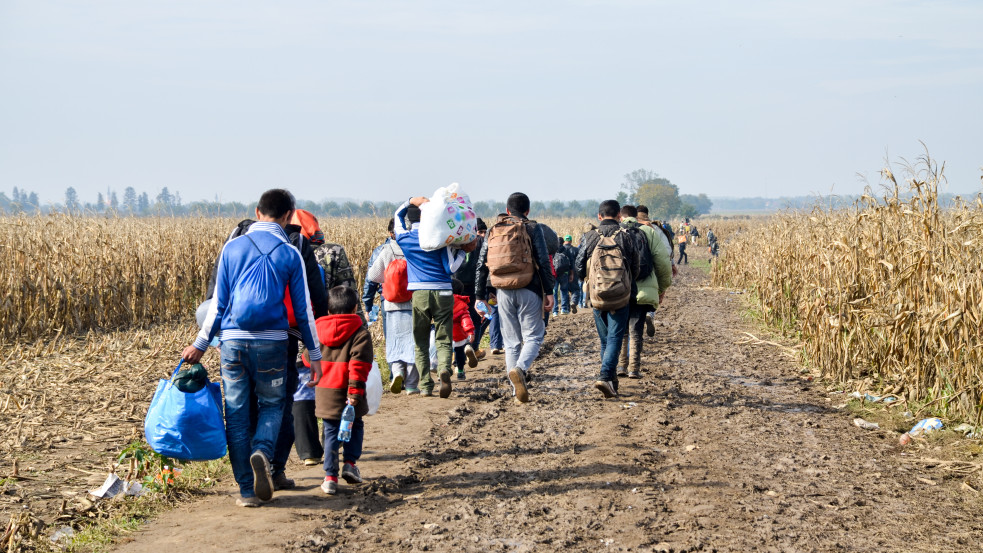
611, 325
346, 350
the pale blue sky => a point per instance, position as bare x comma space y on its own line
383, 100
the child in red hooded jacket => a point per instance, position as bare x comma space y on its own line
463, 330
346, 351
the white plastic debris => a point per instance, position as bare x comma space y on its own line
112, 487
865, 424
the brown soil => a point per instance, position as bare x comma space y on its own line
721, 446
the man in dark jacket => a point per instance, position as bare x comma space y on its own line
611, 325
521, 309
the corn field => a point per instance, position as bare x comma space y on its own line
889, 291
69, 275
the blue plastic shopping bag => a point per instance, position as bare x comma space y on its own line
185, 426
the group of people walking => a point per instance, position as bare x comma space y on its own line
278, 283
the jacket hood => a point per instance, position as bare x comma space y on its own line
630, 222
464, 302
309, 226
335, 330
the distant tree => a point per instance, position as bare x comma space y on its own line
4, 202
143, 203
130, 199
661, 199
71, 200
687, 211
165, 199
556, 208
622, 197
701, 204
33, 201
113, 202
349, 209
100, 202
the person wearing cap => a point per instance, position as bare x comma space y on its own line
429, 275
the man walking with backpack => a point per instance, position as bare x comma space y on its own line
609, 264
563, 265
654, 277
515, 262
254, 272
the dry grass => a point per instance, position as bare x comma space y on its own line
889, 291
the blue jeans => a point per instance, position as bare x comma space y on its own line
285, 439
495, 329
561, 294
352, 448
577, 292
611, 326
252, 367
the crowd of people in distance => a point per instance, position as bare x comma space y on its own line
278, 285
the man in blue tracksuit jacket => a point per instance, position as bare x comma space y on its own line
429, 275
249, 316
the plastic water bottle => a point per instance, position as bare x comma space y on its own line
347, 420
374, 314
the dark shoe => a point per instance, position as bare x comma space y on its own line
635, 374
518, 381
606, 388
351, 474
573, 308
262, 480
622, 371
471, 355
426, 393
281, 482
649, 327
445, 384
498, 351
461, 375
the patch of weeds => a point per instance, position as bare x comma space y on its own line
701, 264
164, 483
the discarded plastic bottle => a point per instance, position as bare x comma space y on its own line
374, 314
347, 420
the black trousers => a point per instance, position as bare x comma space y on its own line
306, 437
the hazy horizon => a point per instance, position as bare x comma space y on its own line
557, 99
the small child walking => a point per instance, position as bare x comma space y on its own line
463, 330
347, 346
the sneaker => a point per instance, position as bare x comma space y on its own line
472, 357
351, 474
426, 393
249, 502
412, 392
573, 308
312, 462
481, 354
518, 385
649, 327
281, 482
262, 479
445, 384
498, 351
635, 374
329, 486
397, 384
622, 371
606, 388
461, 375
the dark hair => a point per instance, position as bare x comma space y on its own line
481, 224
609, 208
412, 214
518, 204
457, 286
643, 209
342, 300
276, 203
629, 211
392, 225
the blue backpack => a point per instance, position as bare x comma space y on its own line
251, 306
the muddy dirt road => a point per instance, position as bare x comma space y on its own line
720, 447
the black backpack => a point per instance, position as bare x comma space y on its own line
561, 262
641, 244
